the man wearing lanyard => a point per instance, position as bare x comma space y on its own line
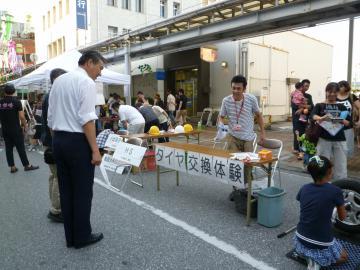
71, 117
239, 108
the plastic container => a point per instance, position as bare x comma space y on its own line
270, 206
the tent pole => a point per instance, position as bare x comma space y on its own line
127, 63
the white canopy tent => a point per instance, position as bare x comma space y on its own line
67, 61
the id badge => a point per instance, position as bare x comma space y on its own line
236, 127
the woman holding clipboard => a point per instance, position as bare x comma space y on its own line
332, 118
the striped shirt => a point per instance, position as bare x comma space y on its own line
240, 114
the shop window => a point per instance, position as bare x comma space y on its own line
44, 23
60, 10
139, 7
112, 31
54, 14
48, 19
163, 8
67, 7
176, 8
112, 3
126, 4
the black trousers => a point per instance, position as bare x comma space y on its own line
76, 178
17, 140
163, 126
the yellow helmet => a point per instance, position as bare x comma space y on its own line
154, 130
188, 128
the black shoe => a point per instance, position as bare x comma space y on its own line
31, 168
232, 195
56, 217
93, 238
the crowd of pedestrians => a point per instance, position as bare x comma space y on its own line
328, 128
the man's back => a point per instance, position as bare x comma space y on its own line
148, 113
9, 114
131, 115
72, 102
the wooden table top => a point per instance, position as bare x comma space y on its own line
162, 135
210, 151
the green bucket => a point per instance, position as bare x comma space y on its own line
270, 206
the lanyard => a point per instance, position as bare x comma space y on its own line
241, 108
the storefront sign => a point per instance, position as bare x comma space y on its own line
208, 54
81, 14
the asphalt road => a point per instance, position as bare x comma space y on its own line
192, 226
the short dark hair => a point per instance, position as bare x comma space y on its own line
305, 81
56, 73
115, 105
332, 86
139, 93
9, 89
91, 55
239, 79
345, 84
298, 85
181, 91
319, 167
138, 105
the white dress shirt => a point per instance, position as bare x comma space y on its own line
131, 115
72, 102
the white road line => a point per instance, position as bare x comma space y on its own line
212, 240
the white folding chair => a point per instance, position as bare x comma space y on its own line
138, 142
260, 180
205, 116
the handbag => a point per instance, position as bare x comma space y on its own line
49, 156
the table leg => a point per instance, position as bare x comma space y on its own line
199, 138
248, 207
269, 173
177, 178
158, 177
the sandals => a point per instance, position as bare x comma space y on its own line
14, 170
31, 168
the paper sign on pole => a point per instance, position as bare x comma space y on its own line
180, 160
193, 163
112, 164
113, 141
132, 154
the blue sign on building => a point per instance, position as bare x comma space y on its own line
160, 74
81, 14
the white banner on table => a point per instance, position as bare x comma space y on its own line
113, 165
180, 160
193, 163
165, 156
130, 153
206, 166
236, 173
113, 141
221, 169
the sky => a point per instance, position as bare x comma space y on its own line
335, 34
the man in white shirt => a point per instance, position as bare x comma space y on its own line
71, 117
130, 117
171, 104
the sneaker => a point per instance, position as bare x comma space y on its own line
55, 217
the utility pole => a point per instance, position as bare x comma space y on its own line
350, 49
